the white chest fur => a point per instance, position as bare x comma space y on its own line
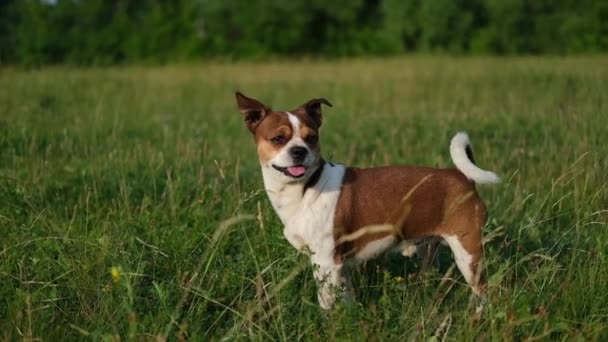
308, 216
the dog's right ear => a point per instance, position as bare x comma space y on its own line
253, 110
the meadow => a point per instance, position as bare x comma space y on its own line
132, 204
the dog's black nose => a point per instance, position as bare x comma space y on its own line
298, 153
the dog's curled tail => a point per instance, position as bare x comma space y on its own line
462, 156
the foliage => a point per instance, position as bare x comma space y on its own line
115, 31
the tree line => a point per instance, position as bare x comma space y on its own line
36, 32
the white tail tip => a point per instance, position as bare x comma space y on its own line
461, 152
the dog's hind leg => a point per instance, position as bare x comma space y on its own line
468, 254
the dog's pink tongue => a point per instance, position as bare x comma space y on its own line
296, 170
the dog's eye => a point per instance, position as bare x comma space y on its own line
312, 139
278, 140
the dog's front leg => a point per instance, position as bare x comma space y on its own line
329, 284
331, 281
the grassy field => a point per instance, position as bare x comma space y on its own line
132, 205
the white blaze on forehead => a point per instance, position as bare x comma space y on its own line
295, 124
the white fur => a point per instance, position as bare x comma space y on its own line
308, 216
295, 124
462, 257
375, 248
464, 262
459, 156
407, 248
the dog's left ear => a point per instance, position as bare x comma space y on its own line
313, 109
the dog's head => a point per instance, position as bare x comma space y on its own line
287, 142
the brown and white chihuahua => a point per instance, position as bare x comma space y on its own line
344, 214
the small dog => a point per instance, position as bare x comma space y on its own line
344, 214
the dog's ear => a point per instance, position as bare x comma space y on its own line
253, 110
313, 109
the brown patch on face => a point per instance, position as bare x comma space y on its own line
272, 134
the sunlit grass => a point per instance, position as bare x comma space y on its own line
132, 204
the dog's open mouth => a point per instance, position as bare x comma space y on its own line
295, 171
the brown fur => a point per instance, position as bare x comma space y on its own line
420, 202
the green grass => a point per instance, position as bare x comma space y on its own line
151, 171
